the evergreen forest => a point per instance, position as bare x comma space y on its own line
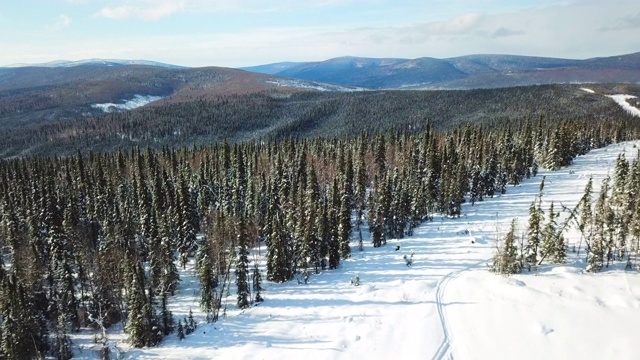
98, 238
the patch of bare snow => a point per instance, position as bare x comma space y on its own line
301, 84
588, 90
621, 99
136, 102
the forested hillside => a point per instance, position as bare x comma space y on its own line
278, 115
98, 238
41, 95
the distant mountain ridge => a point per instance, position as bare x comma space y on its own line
106, 62
62, 91
464, 72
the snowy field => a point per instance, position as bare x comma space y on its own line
446, 306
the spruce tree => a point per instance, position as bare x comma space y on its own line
278, 265
598, 242
180, 331
207, 275
257, 283
242, 267
554, 247
344, 227
585, 214
506, 259
621, 172
186, 221
534, 234
23, 332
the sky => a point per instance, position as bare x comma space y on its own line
236, 33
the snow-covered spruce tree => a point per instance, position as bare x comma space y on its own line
633, 212
397, 213
186, 234
169, 276
190, 323
207, 269
553, 247
166, 317
23, 331
344, 227
383, 214
610, 233
475, 185
324, 231
309, 251
278, 266
63, 304
375, 222
180, 331
621, 172
598, 242
360, 188
489, 176
553, 155
380, 156
506, 261
334, 216
242, 266
257, 283
62, 342
140, 323
585, 214
501, 179
534, 234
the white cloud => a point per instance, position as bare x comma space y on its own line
457, 25
624, 23
572, 29
146, 10
505, 32
61, 22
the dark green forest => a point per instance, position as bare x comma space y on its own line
97, 238
273, 115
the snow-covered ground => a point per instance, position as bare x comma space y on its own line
621, 99
446, 306
136, 102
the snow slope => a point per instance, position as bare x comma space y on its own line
446, 306
621, 100
136, 102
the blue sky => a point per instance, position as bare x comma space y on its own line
238, 33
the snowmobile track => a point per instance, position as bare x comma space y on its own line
444, 350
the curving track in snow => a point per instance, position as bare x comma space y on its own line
444, 350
